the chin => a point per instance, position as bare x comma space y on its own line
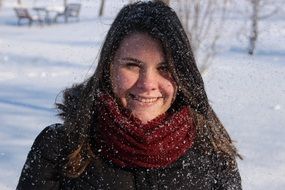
145, 117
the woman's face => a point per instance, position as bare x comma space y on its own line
141, 78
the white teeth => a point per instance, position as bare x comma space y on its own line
145, 100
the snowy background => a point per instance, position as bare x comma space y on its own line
247, 92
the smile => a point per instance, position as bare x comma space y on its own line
144, 99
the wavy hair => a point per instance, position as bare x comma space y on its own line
161, 23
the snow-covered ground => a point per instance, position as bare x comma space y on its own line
248, 93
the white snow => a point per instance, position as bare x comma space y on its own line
247, 92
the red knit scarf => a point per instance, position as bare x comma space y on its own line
124, 140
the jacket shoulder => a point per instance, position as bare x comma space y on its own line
42, 169
212, 167
51, 143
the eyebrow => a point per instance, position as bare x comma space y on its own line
132, 59
138, 61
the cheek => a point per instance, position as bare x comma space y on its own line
170, 89
122, 82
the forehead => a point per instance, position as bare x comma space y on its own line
139, 44
138, 39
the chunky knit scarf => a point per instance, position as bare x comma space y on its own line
125, 141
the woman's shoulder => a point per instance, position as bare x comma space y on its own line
214, 165
53, 142
56, 129
51, 134
45, 159
209, 160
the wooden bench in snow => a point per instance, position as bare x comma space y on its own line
23, 14
71, 10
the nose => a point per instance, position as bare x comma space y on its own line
148, 81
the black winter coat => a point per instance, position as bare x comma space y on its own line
193, 171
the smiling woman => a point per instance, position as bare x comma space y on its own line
140, 78
141, 121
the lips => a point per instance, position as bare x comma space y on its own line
142, 99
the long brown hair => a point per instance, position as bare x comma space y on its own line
160, 22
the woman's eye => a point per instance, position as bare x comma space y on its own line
132, 66
164, 69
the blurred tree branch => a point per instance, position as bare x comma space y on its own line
101, 10
203, 21
260, 9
